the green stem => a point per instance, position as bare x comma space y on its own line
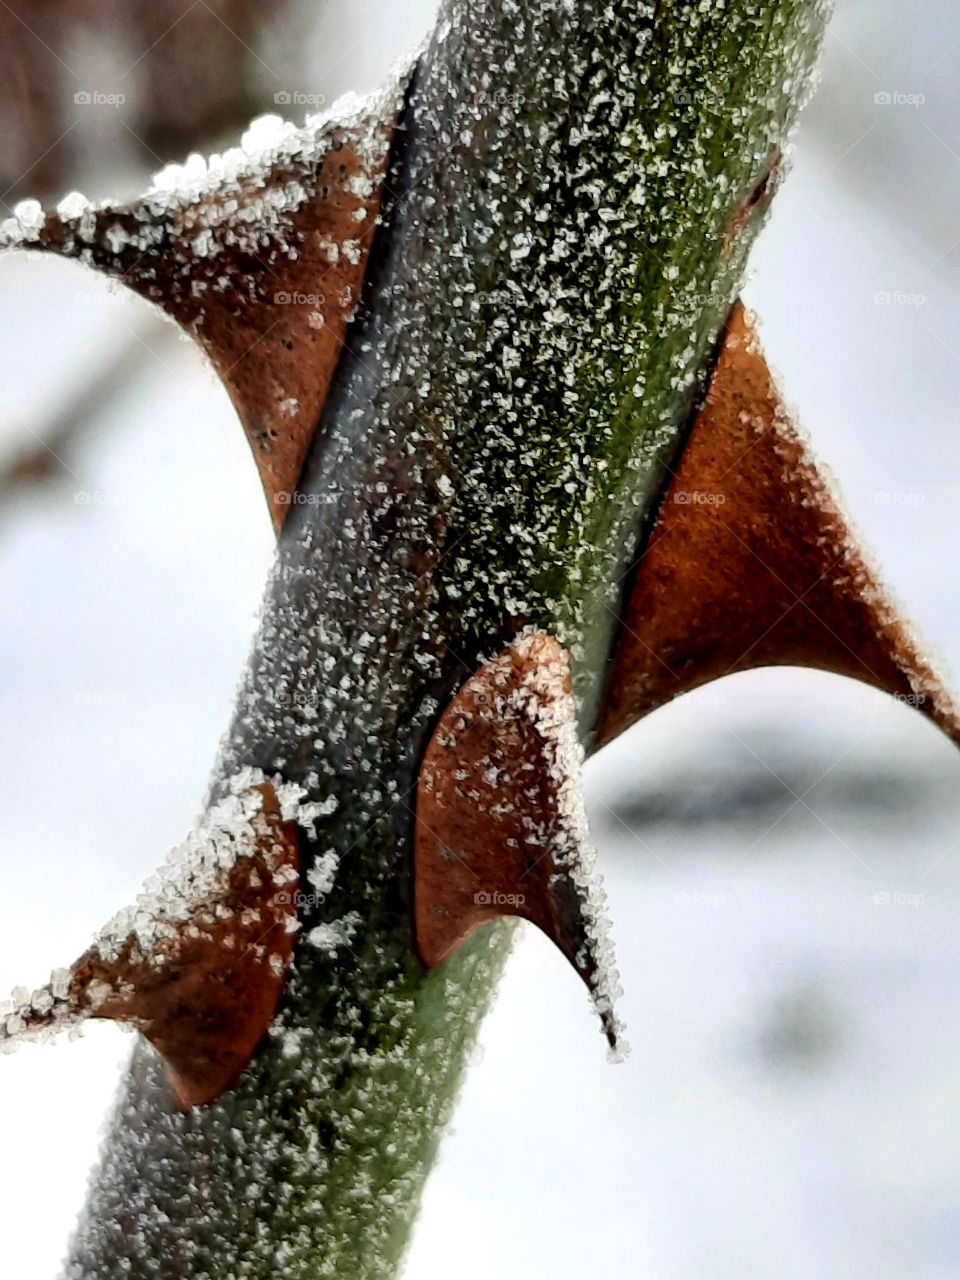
569, 216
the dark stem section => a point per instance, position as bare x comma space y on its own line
555, 267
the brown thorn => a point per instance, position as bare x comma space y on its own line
206, 989
205, 997
499, 822
271, 312
753, 564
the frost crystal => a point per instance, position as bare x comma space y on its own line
334, 934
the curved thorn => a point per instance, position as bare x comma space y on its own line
259, 254
202, 985
752, 563
500, 825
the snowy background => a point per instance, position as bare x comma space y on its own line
780, 849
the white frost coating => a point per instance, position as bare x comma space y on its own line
39, 1015
924, 670
195, 872
194, 876
74, 205
241, 198
544, 697
27, 222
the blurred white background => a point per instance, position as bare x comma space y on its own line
780, 849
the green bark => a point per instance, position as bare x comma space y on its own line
562, 243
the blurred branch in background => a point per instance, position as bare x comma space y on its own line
183, 73
105, 92
43, 454
95, 96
